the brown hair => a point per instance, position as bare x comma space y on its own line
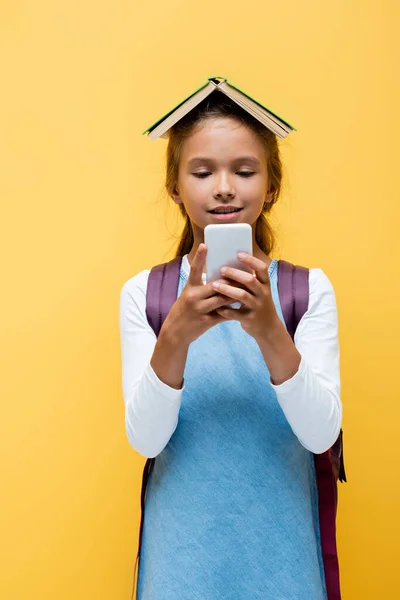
219, 105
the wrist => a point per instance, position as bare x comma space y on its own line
270, 334
280, 354
169, 359
170, 338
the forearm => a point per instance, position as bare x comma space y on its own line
280, 354
153, 407
312, 408
151, 414
169, 358
311, 405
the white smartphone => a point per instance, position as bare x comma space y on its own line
223, 242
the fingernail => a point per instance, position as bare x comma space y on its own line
216, 285
242, 254
224, 270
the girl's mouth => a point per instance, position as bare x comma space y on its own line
224, 210
226, 214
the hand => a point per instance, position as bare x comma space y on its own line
257, 315
193, 313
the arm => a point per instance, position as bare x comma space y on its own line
310, 399
305, 375
152, 370
151, 405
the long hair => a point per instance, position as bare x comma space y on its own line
215, 106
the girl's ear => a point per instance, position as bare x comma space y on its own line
175, 196
269, 197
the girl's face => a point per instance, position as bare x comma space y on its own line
223, 165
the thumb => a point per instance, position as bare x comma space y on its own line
196, 268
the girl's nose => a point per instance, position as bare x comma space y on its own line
224, 187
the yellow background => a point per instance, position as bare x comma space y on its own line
82, 211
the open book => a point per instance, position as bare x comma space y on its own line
272, 121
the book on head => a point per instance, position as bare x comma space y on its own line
269, 119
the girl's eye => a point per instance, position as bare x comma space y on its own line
245, 173
202, 174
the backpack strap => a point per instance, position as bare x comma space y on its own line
293, 288
162, 291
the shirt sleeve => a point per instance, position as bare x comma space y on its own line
311, 398
151, 406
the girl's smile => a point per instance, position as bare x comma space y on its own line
226, 213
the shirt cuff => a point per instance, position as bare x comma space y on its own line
288, 385
168, 392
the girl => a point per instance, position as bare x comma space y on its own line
230, 406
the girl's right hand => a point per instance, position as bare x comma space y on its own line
192, 313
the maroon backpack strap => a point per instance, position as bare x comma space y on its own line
162, 291
293, 288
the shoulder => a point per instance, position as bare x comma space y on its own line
133, 295
319, 286
319, 282
136, 285
322, 298
319, 324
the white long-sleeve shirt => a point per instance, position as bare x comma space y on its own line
310, 400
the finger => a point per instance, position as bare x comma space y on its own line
249, 280
207, 291
216, 301
196, 268
230, 314
258, 265
239, 294
198, 294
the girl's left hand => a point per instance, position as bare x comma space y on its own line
257, 316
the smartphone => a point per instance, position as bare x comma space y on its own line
223, 242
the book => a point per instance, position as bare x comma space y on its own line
269, 119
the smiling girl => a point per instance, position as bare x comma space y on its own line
232, 408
